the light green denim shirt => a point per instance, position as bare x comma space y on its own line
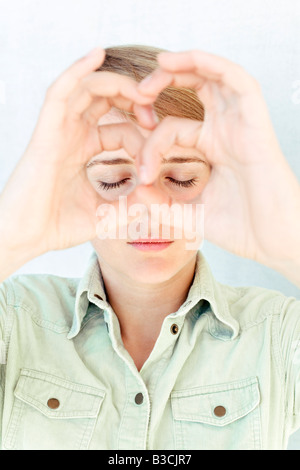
224, 372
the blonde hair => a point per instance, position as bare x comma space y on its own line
137, 62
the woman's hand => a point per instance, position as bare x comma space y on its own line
252, 200
48, 202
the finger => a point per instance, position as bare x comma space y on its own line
211, 67
66, 83
121, 91
170, 132
160, 79
121, 136
207, 66
95, 111
112, 84
145, 115
104, 84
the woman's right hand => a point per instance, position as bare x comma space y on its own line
48, 202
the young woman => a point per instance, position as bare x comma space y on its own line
148, 350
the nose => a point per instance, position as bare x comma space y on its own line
150, 194
151, 222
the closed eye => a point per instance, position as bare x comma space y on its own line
183, 184
108, 186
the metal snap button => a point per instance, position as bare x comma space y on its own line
174, 329
53, 403
139, 398
220, 411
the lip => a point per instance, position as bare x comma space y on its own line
150, 244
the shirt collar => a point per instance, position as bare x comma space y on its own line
204, 287
90, 289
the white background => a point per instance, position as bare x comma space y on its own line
39, 39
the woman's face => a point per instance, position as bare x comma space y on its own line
148, 233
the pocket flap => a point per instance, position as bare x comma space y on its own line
216, 404
56, 397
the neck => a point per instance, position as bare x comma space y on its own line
141, 308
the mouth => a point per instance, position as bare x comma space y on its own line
149, 244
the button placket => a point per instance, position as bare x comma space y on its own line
136, 414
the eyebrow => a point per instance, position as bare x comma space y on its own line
183, 160
122, 161
111, 161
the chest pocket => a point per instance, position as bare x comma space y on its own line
50, 413
218, 417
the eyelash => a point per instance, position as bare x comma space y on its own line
107, 186
118, 184
183, 184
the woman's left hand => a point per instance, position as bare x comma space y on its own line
252, 200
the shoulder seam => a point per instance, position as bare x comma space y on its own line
8, 323
273, 310
12, 303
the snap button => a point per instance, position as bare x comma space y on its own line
139, 398
174, 329
220, 411
53, 403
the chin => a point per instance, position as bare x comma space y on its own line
144, 267
153, 270
156, 268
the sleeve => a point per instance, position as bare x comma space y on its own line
289, 338
3, 309
3, 347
